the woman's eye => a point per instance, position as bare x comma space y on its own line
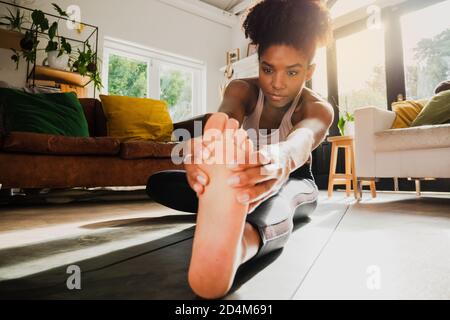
267, 70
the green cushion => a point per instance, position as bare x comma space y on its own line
51, 113
436, 111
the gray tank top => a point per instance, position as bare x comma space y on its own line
261, 137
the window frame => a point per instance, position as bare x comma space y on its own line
107, 52
384, 59
394, 61
395, 74
154, 59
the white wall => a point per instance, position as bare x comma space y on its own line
238, 37
8, 71
150, 23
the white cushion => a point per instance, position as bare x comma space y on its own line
424, 137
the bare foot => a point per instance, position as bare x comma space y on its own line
218, 239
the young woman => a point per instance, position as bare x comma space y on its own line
247, 210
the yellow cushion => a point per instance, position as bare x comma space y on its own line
406, 112
131, 118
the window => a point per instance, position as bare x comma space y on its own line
319, 80
426, 43
137, 71
361, 70
127, 76
176, 89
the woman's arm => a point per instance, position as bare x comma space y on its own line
308, 134
263, 180
236, 100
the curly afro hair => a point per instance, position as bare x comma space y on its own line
302, 24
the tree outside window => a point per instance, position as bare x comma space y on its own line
176, 90
127, 77
426, 49
361, 70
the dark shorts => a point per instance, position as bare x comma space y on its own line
273, 218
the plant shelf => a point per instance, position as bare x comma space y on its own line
10, 39
60, 76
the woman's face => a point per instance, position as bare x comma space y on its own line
283, 71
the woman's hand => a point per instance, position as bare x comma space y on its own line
197, 179
255, 182
261, 180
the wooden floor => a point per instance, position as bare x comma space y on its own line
393, 247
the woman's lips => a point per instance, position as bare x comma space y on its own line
276, 98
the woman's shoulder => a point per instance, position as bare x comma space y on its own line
311, 104
252, 85
248, 89
312, 99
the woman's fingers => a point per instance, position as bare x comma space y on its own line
251, 176
258, 192
197, 182
196, 175
199, 189
197, 179
254, 159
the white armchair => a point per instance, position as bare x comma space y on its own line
381, 152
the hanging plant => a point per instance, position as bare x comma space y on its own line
29, 42
86, 64
62, 46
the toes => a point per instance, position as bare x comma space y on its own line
248, 151
219, 130
231, 127
217, 121
229, 147
240, 136
214, 130
244, 147
232, 124
247, 146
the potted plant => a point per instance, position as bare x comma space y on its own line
86, 64
29, 42
57, 51
346, 124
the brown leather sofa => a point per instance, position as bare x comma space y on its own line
31, 160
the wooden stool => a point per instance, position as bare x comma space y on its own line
349, 176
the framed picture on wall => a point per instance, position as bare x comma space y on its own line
252, 49
233, 56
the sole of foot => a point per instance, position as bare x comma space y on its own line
217, 246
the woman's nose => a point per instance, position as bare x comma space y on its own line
278, 82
